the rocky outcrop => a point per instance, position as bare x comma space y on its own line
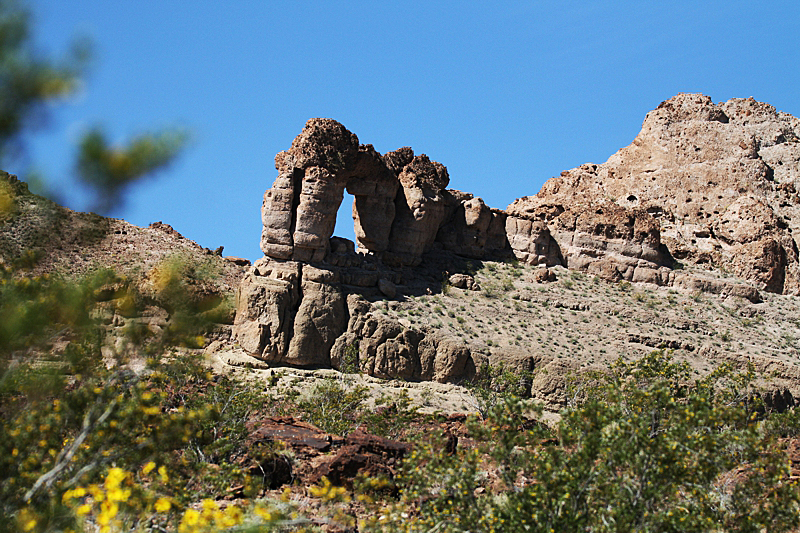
702, 183
604, 239
362, 454
266, 303
289, 312
374, 186
473, 229
385, 348
401, 202
421, 207
299, 212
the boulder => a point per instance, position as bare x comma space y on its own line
387, 288
362, 454
464, 281
443, 359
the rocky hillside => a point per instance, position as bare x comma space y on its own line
43, 237
696, 213
701, 184
682, 240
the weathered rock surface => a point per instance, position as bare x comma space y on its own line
299, 212
473, 229
289, 312
401, 202
604, 239
464, 281
374, 186
266, 303
362, 454
420, 208
702, 183
386, 348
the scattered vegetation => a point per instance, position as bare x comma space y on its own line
646, 448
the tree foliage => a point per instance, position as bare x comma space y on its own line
29, 82
110, 170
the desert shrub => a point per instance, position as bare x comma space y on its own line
339, 406
349, 363
492, 385
333, 406
209, 459
783, 425
438, 492
67, 418
186, 289
55, 443
646, 449
35, 308
175, 415
391, 417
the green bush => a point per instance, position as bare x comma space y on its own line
646, 449
492, 385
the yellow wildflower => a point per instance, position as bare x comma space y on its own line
263, 513
190, 520
163, 505
83, 509
209, 504
115, 477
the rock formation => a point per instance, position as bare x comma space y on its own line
702, 184
292, 305
401, 202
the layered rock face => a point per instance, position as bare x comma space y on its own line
702, 183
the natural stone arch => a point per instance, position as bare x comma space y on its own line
400, 201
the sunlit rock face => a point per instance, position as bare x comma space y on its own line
719, 180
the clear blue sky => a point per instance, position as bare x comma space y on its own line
505, 94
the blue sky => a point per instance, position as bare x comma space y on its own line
506, 96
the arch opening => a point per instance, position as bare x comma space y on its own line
344, 218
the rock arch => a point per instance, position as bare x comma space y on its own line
400, 199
